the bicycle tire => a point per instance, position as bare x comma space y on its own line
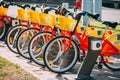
2, 30
54, 48
36, 47
114, 62
23, 41
13, 34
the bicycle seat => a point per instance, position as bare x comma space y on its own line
110, 24
94, 16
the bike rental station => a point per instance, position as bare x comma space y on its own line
53, 37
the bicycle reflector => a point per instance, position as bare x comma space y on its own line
118, 37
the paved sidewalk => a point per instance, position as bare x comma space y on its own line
110, 14
32, 68
43, 74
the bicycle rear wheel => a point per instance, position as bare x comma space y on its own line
56, 59
23, 41
112, 62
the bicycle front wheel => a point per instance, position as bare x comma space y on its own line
12, 36
2, 29
58, 57
23, 41
112, 62
37, 45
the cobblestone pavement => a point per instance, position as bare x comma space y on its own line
44, 74
110, 14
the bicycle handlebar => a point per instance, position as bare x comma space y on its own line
94, 15
78, 17
83, 13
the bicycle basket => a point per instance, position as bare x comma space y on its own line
47, 19
79, 29
23, 14
58, 19
96, 33
65, 23
34, 17
114, 39
111, 45
3, 11
12, 11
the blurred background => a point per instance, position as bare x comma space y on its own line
105, 3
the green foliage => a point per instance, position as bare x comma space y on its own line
2, 74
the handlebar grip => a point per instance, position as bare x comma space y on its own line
94, 16
78, 16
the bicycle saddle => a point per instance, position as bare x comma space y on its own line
110, 24
94, 16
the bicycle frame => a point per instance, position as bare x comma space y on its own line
3, 18
108, 48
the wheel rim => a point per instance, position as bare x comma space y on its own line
12, 37
55, 65
37, 46
113, 61
23, 42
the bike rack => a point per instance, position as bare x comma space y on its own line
94, 48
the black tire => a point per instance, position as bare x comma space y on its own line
3, 30
8, 26
23, 40
37, 45
12, 35
114, 62
53, 54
